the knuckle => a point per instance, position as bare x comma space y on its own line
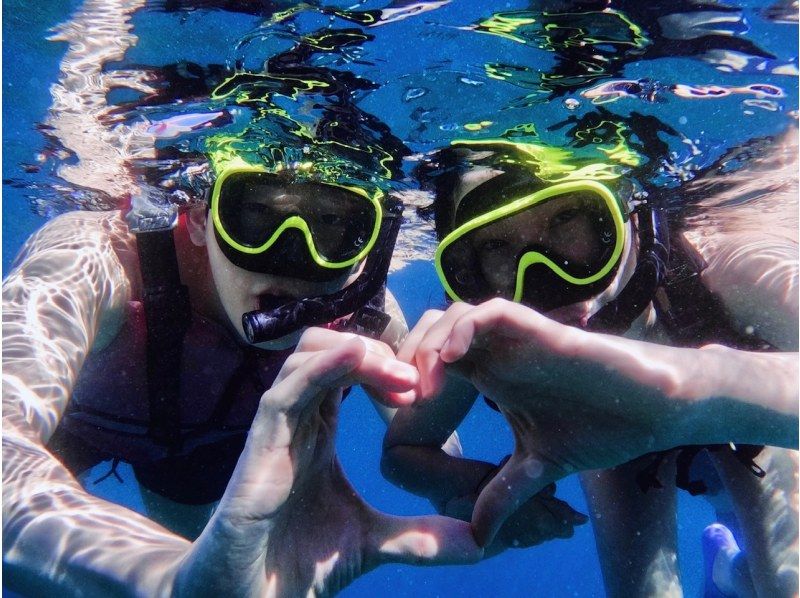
294, 361
378, 347
309, 336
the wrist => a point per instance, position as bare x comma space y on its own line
229, 547
461, 507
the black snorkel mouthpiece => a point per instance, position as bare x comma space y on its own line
266, 325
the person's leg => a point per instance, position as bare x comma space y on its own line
635, 531
725, 565
766, 510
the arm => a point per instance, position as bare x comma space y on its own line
601, 400
68, 287
746, 230
60, 539
415, 459
394, 336
413, 455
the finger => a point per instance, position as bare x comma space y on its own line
495, 317
386, 377
309, 378
565, 515
540, 519
408, 349
430, 540
319, 339
515, 483
431, 368
392, 381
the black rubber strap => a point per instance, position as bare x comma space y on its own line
168, 316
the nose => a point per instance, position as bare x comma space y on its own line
292, 247
287, 203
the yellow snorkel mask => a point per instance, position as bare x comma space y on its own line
266, 222
546, 244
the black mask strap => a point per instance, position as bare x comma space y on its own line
617, 316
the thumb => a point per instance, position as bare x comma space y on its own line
426, 540
518, 480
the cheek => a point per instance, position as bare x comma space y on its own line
229, 280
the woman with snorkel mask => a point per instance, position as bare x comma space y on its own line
573, 239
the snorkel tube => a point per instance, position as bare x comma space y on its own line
265, 325
617, 316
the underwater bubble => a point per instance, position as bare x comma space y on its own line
533, 468
683, 120
449, 127
571, 104
413, 93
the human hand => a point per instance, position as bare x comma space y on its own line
541, 518
289, 522
575, 400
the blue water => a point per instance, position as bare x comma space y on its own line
431, 84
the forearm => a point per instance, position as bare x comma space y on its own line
421, 452
709, 395
745, 397
59, 537
431, 473
723, 420
766, 380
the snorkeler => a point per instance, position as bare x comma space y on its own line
93, 371
526, 223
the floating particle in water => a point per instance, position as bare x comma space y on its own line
683, 120
571, 103
478, 126
763, 104
412, 93
470, 81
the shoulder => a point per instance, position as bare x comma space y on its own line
746, 229
397, 329
756, 278
83, 261
91, 235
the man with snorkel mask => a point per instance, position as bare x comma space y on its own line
124, 339
526, 223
